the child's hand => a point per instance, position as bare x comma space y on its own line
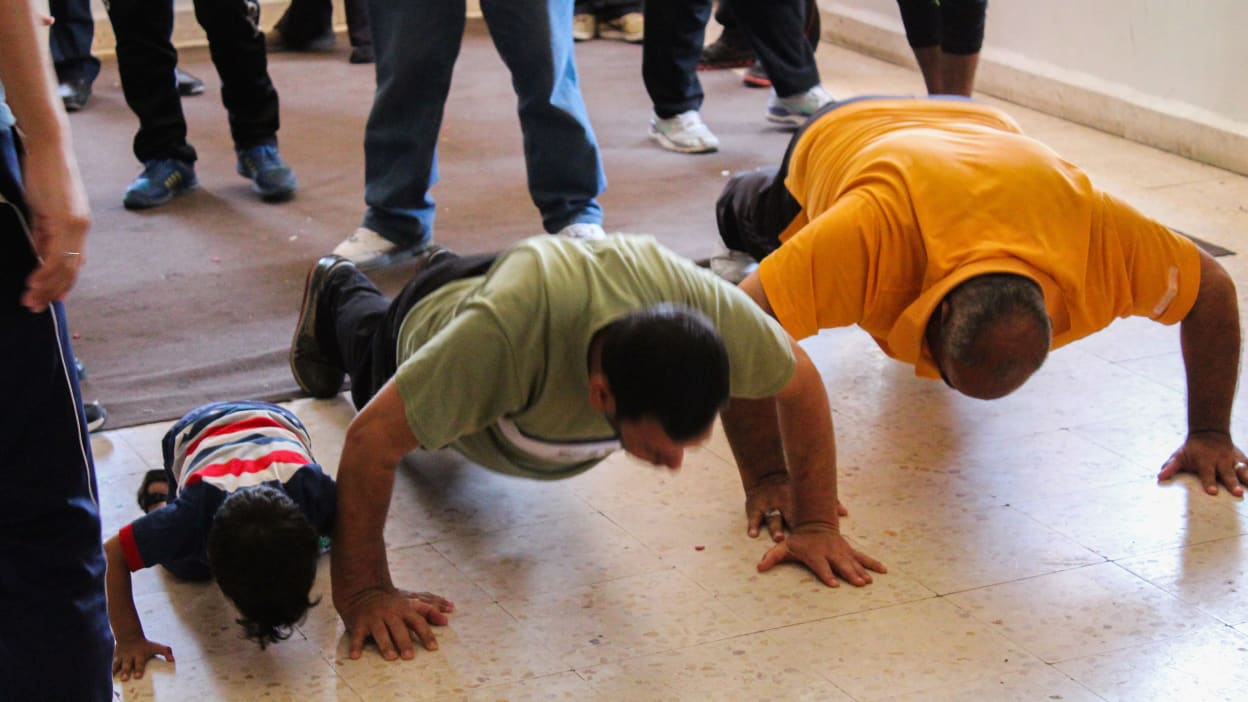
132, 655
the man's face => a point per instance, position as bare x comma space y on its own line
645, 439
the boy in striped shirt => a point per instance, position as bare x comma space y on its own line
240, 499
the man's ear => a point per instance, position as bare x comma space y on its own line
600, 396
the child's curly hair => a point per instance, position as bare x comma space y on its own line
263, 551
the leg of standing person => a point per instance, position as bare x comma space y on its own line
400, 140
146, 60
946, 38
921, 18
675, 32
776, 30
70, 41
306, 25
962, 36
55, 641
359, 31
730, 49
236, 45
560, 150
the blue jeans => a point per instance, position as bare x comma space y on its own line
70, 40
417, 42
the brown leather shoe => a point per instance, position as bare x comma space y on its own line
315, 373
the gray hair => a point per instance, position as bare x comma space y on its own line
986, 301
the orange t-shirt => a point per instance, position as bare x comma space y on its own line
903, 199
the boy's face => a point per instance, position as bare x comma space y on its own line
645, 439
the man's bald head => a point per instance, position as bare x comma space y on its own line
990, 334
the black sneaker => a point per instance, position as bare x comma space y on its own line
188, 85
96, 416
362, 54
271, 177
730, 50
74, 93
314, 372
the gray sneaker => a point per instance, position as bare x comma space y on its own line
796, 109
685, 133
368, 250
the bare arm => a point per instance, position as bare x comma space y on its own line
1211, 346
133, 649
364, 594
60, 215
788, 441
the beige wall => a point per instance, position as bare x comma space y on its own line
1162, 72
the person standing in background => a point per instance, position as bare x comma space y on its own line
946, 36
55, 641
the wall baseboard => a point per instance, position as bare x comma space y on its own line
1165, 124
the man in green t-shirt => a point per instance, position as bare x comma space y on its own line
540, 362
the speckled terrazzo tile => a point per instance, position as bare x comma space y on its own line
1138, 517
439, 495
1034, 683
145, 440
1129, 339
194, 619
290, 671
117, 500
1213, 576
416, 569
483, 646
742, 668
1082, 612
622, 481
953, 551
1205, 666
560, 686
1039, 465
114, 457
909, 648
711, 548
556, 555
625, 618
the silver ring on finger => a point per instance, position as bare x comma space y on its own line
773, 513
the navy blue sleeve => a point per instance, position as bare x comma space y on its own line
316, 494
176, 532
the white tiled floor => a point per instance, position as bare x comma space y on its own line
1032, 555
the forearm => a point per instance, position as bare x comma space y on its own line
1211, 346
358, 557
753, 430
29, 84
375, 443
805, 422
122, 614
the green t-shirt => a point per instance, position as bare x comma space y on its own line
496, 366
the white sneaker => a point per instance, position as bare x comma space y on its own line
685, 133
796, 109
733, 266
368, 249
587, 231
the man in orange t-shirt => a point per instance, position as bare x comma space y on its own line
969, 250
